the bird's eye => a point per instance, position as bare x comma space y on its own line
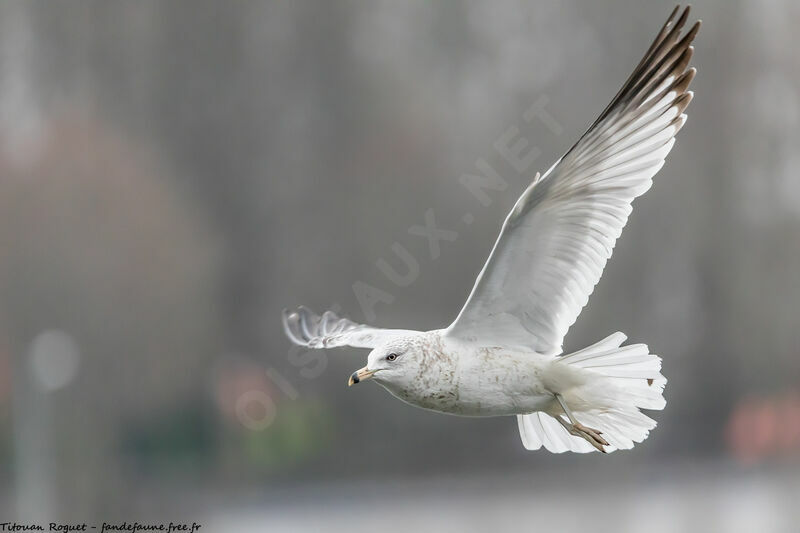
391, 357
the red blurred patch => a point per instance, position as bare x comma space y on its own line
762, 428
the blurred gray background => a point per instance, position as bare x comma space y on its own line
173, 174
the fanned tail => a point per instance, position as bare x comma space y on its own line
628, 378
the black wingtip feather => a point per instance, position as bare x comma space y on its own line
668, 56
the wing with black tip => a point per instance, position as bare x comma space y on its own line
558, 237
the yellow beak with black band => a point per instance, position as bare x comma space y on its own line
360, 375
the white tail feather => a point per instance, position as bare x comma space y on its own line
540, 429
628, 379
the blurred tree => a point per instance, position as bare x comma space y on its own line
95, 242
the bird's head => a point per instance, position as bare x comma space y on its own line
396, 362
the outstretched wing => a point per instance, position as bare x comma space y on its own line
558, 237
306, 328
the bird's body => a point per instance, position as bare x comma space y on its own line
468, 380
502, 354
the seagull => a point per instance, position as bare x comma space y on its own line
502, 354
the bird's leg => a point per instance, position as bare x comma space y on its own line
593, 436
565, 408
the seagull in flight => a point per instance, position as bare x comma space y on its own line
502, 354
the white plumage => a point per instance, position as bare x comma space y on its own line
501, 354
